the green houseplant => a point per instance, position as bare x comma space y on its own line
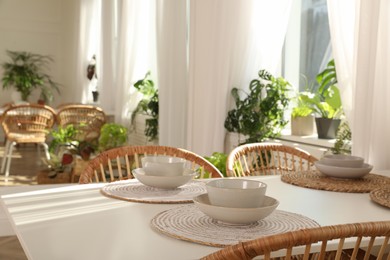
148, 105
326, 102
112, 135
26, 72
302, 119
260, 113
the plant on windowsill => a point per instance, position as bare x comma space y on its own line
259, 115
26, 72
302, 118
148, 106
326, 103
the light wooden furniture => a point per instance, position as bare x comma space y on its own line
68, 218
87, 119
117, 163
308, 238
267, 159
29, 123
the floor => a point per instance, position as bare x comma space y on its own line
24, 168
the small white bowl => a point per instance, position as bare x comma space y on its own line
343, 172
236, 193
163, 165
163, 182
236, 215
342, 160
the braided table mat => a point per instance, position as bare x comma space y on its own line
381, 196
315, 180
135, 191
190, 224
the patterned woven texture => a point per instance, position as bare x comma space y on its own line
381, 196
377, 233
190, 224
118, 163
267, 159
315, 180
134, 191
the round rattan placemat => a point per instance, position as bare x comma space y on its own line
190, 224
131, 190
315, 180
381, 196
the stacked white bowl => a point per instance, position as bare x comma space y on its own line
343, 166
237, 201
164, 172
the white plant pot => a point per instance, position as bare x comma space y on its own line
137, 134
303, 126
16, 97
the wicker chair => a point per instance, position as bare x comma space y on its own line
86, 118
25, 124
117, 163
267, 159
314, 240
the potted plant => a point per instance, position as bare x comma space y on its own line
326, 103
148, 106
302, 119
26, 72
260, 113
112, 135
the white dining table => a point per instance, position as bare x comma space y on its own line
78, 222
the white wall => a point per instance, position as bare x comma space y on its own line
41, 26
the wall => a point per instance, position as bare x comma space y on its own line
41, 26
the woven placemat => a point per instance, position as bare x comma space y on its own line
131, 190
315, 180
381, 196
190, 224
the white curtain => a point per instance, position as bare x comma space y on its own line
360, 32
88, 45
172, 71
230, 41
136, 53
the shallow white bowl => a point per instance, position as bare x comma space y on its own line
163, 182
236, 215
344, 172
236, 193
342, 160
160, 165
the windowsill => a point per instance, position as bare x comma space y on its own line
308, 140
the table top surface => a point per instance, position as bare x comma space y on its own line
78, 222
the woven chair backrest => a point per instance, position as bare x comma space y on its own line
28, 118
118, 163
267, 159
328, 242
86, 118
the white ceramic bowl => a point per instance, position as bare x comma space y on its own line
163, 182
163, 165
343, 172
236, 215
342, 160
236, 193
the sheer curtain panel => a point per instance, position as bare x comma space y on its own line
361, 44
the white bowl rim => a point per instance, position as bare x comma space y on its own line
209, 184
275, 203
364, 166
186, 173
343, 157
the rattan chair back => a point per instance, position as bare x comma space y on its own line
118, 163
87, 119
267, 159
27, 123
328, 242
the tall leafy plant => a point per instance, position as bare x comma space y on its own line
26, 72
260, 113
148, 105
